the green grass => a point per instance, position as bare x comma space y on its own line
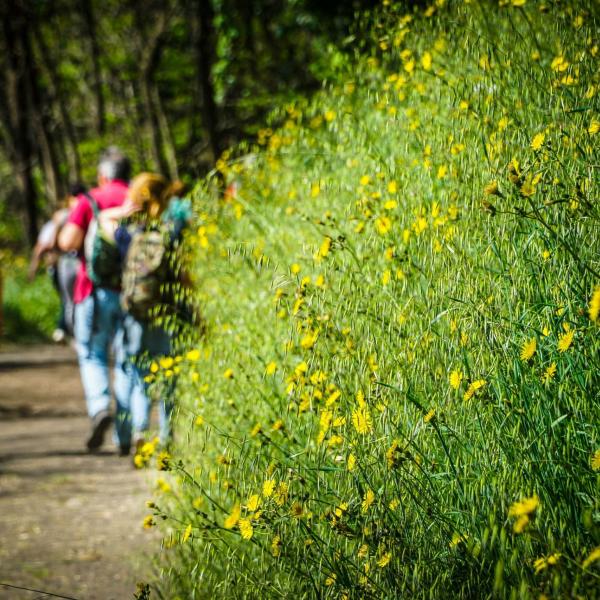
371, 298
30, 308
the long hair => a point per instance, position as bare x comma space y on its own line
153, 192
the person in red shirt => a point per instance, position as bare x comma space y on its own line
98, 316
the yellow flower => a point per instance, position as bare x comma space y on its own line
594, 127
528, 188
246, 528
186, 534
520, 524
545, 561
455, 378
361, 419
518, 2
491, 189
330, 115
442, 171
276, 546
384, 560
473, 387
385, 278
392, 187
154, 367
559, 64
528, 349
315, 190
526, 506
565, 340
537, 141
232, 520
593, 556
429, 415
549, 373
295, 268
268, 487
365, 180
594, 308
351, 463
368, 500
325, 247
271, 368
253, 503
148, 522
166, 362
383, 225
595, 462
228, 374
426, 61
193, 355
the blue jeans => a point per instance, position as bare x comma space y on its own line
139, 343
98, 324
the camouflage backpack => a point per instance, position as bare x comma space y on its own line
145, 273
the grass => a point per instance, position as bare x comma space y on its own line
397, 392
30, 308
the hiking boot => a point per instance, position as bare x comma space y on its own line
100, 424
125, 450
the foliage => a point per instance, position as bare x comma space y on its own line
30, 308
397, 395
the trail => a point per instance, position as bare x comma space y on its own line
70, 522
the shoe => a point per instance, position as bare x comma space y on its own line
125, 450
100, 424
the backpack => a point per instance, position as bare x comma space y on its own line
102, 256
145, 273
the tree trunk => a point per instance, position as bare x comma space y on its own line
205, 57
167, 137
14, 26
90, 28
58, 97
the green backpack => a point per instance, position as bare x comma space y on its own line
102, 256
145, 274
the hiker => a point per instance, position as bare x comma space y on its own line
61, 266
147, 229
98, 316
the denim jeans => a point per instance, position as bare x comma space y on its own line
98, 327
139, 343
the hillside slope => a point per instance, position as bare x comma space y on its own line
398, 392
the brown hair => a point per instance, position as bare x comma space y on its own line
153, 192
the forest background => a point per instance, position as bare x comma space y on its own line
173, 83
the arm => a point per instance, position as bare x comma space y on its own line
108, 219
71, 237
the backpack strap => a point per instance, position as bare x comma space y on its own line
93, 203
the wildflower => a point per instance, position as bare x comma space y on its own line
162, 485
594, 127
426, 61
271, 368
295, 268
565, 340
455, 379
309, 340
330, 579
365, 180
278, 425
528, 188
526, 506
520, 524
351, 463
594, 308
228, 374
325, 247
361, 419
491, 189
545, 561
281, 493
518, 2
368, 500
315, 190
166, 362
559, 64
442, 171
233, 518
148, 522
429, 416
186, 534
163, 461
549, 373
385, 278
383, 225
330, 116
253, 503
384, 560
268, 488
246, 528
593, 556
595, 462
193, 355
392, 187
473, 387
537, 141
276, 546
154, 367
528, 349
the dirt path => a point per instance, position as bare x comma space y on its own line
70, 523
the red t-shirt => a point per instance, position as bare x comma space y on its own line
109, 195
